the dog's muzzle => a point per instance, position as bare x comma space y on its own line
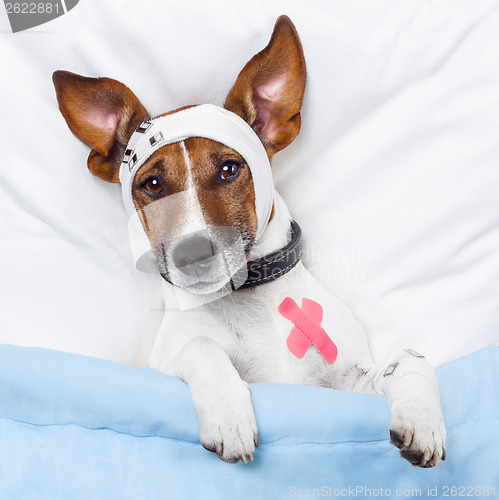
195, 254
187, 250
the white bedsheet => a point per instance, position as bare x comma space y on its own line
394, 177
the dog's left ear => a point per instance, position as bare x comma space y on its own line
268, 92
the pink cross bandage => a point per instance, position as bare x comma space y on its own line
307, 329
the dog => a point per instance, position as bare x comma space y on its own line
199, 202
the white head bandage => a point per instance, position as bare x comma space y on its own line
210, 122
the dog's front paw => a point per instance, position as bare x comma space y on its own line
418, 430
227, 423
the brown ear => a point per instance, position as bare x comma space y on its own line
268, 92
103, 113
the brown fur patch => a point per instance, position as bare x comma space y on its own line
223, 203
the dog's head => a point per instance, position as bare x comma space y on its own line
196, 196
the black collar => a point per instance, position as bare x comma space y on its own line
276, 264
268, 268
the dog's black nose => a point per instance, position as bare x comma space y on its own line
194, 251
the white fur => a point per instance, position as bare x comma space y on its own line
219, 347
185, 207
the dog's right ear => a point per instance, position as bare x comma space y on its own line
103, 113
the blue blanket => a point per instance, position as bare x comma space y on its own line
75, 427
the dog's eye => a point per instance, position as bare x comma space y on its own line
229, 170
153, 185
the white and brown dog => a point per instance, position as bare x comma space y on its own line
197, 180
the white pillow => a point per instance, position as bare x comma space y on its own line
394, 177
